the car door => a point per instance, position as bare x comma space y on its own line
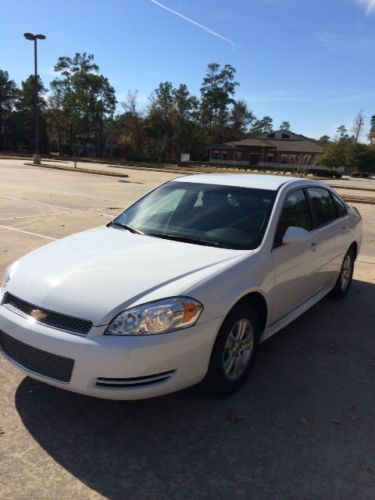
331, 233
295, 264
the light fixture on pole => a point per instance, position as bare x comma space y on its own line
35, 38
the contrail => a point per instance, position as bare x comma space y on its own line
369, 4
204, 28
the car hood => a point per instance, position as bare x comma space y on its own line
96, 274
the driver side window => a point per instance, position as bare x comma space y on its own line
296, 212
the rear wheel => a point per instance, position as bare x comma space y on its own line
345, 277
234, 351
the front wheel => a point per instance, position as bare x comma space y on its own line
344, 280
234, 351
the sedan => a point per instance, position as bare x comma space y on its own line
180, 288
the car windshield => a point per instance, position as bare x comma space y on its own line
204, 214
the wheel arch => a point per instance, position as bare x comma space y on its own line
354, 247
257, 300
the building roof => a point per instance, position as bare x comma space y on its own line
297, 146
282, 140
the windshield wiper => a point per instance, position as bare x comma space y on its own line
185, 239
125, 226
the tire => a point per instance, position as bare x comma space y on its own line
344, 280
233, 354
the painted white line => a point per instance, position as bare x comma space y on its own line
71, 210
366, 259
4, 219
27, 232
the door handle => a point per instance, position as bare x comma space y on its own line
313, 246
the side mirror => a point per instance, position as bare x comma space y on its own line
296, 235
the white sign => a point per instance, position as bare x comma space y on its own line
185, 157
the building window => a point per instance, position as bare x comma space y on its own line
224, 155
270, 158
238, 155
254, 158
284, 159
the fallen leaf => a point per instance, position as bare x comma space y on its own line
366, 468
234, 419
353, 418
304, 421
336, 421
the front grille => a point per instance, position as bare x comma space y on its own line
47, 317
129, 383
36, 360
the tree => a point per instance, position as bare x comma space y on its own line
342, 133
159, 122
239, 120
262, 126
8, 97
24, 118
285, 126
171, 122
335, 154
324, 140
371, 135
126, 129
82, 100
185, 114
358, 126
217, 91
363, 157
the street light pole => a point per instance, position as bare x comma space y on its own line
35, 38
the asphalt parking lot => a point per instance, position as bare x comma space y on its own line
302, 428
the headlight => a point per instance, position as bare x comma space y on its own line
8, 273
156, 317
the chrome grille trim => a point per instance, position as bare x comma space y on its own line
129, 383
53, 319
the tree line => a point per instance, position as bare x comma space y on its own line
79, 115
345, 150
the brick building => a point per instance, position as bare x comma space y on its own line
276, 148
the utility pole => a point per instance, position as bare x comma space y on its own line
35, 38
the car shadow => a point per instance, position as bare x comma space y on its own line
300, 428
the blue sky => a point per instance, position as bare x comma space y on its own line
311, 62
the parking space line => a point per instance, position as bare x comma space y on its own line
4, 219
9, 228
42, 203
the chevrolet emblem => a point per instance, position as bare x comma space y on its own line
38, 315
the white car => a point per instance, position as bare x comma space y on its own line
180, 287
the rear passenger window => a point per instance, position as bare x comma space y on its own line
340, 206
296, 212
323, 206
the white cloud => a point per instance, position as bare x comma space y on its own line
195, 23
275, 96
368, 4
347, 44
363, 97
49, 71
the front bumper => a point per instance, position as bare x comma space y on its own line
107, 366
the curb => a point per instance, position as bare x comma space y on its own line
78, 169
347, 198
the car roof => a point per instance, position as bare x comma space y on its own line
270, 182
